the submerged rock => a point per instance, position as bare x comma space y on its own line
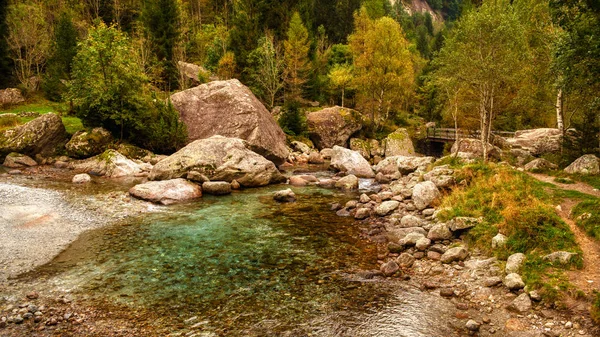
167, 192
221, 159
351, 162
285, 196
43, 135
230, 109
332, 126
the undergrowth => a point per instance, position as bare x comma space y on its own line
564, 177
587, 216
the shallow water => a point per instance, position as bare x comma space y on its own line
243, 264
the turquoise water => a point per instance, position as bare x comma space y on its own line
241, 263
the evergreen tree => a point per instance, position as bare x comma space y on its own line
59, 66
5, 69
296, 48
161, 25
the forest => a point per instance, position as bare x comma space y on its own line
479, 65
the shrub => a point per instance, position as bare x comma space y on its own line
292, 121
167, 133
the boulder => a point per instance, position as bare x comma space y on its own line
390, 268
521, 304
411, 238
349, 182
43, 135
439, 232
403, 165
405, 260
499, 241
82, 178
454, 254
17, 160
586, 164
474, 147
167, 192
351, 162
315, 158
191, 72
216, 187
514, 281
110, 164
85, 144
326, 153
462, 223
560, 257
410, 221
285, 196
332, 126
514, 263
220, 159
300, 147
134, 152
441, 176
424, 194
398, 143
540, 164
386, 207
230, 109
11, 96
521, 156
361, 146
537, 141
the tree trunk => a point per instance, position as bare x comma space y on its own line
342, 97
560, 123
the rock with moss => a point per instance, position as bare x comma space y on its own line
17, 160
537, 141
586, 164
333, 126
44, 135
347, 183
85, 144
392, 166
11, 96
167, 192
219, 159
398, 143
351, 162
540, 164
230, 109
361, 146
110, 164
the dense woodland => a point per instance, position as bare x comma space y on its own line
491, 64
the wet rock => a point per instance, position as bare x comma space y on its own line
472, 325
167, 192
297, 181
230, 109
405, 260
85, 144
110, 164
560, 257
386, 207
398, 143
454, 254
43, 135
17, 160
462, 223
82, 178
332, 126
216, 188
586, 164
439, 232
424, 194
347, 183
521, 304
220, 159
499, 241
362, 213
514, 263
410, 221
197, 177
351, 162
540, 164
285, 196
235, 185
513, 281
389, 268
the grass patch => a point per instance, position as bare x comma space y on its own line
41, 106
595, 311
520, 207
564, 180
592, 180
587, 216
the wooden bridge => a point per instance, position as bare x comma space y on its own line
449, 134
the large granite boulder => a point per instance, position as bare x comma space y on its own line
230, 109
332, 126
167, 192
537, 141
85, 144
474, 147
398, 143
43, 135
424, 194
11, 96
540, 164
403, 165
586, 164
351, 162
219, 159
110, 164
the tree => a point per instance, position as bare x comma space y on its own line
161, 26
296, 48
487, 54
28, 40
226, 66
64, 49
268, 62
341, 77
5, 72
384, 73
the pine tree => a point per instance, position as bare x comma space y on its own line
296, 56
161, 25
59, 66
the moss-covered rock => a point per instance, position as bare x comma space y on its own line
85, 144
44, 135
398, 143
333, 126
110, 164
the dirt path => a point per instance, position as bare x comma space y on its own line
577, 186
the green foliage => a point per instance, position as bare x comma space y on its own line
5, 73
59, 66
296, 48
292, 120
8, 120
161, 26
267, 70
595, 310
587, 216
166, 133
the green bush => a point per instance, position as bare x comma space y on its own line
292, 120
166, 133
595, 311
587, 217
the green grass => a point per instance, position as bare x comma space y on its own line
562, 176
587, 216
41, 106
595, 312
519, 207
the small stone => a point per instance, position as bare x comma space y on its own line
33, 295
395, 248
37, 319
446, 292
419, 255
405, 260
364, 199
18, 319
499, 241
343, 212
472, 325
51, 322
486, 319
454, 254
434, 255
386, 207
535, 295
569, 325
521, 304
82, 178
285, 196
235, 185
389, 268
217, 188
439, 232
410, 221
492, 281
422, 244
514, 263
362, 213
462, 306
514, 281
